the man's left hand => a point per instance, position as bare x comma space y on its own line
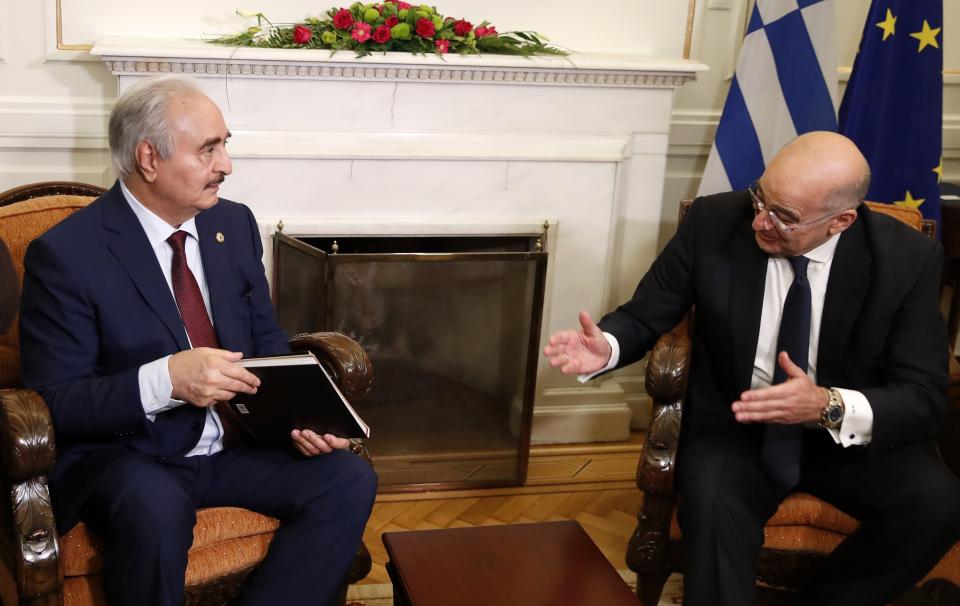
796, 400
311, 444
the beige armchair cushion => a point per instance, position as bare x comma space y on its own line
19, 224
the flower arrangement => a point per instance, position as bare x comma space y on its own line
391, 25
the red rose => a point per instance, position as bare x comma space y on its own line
391, 21
425, 28
462, 27
404, 5
381, 35
343, 19
302, 34
483, 32
443, 46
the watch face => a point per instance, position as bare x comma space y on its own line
834, 414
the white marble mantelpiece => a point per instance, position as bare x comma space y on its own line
398, 143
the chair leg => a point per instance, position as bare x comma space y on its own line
650, 586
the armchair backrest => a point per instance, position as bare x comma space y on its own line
25, 213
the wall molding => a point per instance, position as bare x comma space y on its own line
53, 123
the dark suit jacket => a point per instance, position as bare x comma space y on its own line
95, 307
881, 332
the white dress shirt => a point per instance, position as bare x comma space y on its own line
156, 388
857, 426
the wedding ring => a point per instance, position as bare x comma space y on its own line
566, 358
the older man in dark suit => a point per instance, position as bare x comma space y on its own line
819, 364
134, 313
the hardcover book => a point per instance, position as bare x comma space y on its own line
295, 392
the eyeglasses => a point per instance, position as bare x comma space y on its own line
759, 206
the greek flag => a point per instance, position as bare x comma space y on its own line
785, 85
893, 105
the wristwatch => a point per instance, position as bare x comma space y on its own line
832, 414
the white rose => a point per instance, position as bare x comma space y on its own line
248, 14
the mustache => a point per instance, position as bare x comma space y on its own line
217, 181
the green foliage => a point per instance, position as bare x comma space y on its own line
403, 35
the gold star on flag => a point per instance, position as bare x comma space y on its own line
888, 25
927, 37
939, 170
910, 202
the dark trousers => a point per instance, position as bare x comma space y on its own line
145, 511
907, 502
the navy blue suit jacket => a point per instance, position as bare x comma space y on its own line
96, 306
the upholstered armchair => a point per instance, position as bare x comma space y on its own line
798, 537
37, 566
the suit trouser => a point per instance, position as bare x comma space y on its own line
145, 511
907, 501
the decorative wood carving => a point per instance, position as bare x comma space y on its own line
347, 362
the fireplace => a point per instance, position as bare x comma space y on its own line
452, 326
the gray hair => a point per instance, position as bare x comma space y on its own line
140, 114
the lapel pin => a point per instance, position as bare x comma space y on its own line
220, 237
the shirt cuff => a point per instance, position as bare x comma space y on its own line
856, 429
611, 363
156, 388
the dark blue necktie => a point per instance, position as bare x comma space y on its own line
781, 443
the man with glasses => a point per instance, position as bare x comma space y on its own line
819, 365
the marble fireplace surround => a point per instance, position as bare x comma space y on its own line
397, 144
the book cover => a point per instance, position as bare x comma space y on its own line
295, 393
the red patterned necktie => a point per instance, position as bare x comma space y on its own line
193, 312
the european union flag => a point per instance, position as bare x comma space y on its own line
893, 105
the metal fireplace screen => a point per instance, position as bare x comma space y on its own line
452, 327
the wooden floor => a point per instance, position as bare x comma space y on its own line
593, 484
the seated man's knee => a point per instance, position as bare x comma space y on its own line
352, 481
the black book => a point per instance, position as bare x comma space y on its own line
295, 393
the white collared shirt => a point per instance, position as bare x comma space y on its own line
156, 388
857, 426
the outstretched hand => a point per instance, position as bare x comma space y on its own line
796, 400
581, 351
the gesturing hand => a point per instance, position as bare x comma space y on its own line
204, 376
579, 351
796, 400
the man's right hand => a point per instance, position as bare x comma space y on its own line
581, 351
204, 376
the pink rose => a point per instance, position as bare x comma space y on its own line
361, 32
302, 34
483, 32
381, 35
443, 46
391, 21
462, 27
343, 19
425, 28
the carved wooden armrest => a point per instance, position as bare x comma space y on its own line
26, 439
666, 382
347, 363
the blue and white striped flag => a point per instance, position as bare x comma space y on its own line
785, 85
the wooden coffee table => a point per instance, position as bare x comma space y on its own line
544, 564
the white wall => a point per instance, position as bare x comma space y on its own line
54, 97
54, 101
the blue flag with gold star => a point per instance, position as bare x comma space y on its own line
893, 105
